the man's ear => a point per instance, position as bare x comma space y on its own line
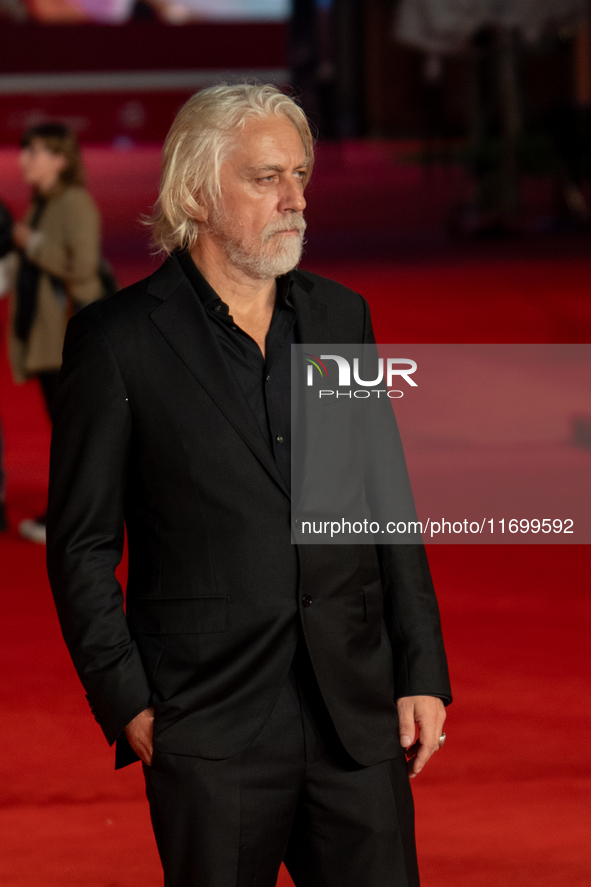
199, 213
197, 208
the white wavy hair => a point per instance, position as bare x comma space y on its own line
196, 146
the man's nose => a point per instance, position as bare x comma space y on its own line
292, 198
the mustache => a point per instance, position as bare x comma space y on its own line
293, 222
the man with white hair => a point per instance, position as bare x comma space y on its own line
270, 689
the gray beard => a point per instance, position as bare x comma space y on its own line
263, 266
266, 260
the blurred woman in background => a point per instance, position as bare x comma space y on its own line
58, 269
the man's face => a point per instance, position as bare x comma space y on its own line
258, 224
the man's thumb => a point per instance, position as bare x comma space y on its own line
407, 728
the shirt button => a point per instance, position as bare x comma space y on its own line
218, 307
279, 439
233, 327
307, 600
268, 378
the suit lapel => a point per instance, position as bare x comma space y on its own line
182, 321
312, 327
312, 314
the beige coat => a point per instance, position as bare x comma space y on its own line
66, 245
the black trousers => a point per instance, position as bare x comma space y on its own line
293, 795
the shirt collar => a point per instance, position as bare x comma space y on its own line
208, 296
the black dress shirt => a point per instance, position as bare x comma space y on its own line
265, 381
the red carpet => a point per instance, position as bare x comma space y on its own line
506, 802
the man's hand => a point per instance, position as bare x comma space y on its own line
139, 734
428, 714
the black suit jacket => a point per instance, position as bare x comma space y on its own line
152, 432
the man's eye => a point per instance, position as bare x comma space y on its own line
266, 179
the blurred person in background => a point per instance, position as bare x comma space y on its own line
58, 269
14, 10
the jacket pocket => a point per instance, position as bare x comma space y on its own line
199, 615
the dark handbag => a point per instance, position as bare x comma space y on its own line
109, 285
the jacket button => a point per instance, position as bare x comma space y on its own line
307, 600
